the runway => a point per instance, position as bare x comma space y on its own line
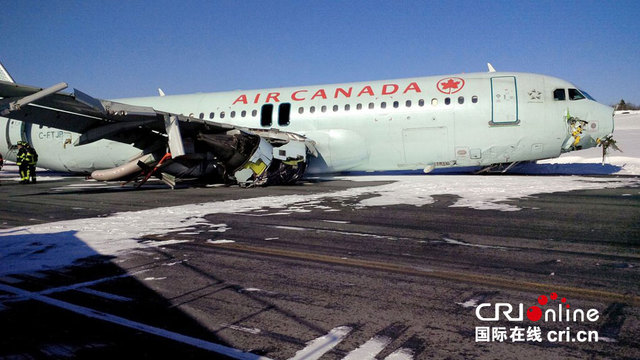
328, 269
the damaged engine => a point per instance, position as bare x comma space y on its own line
235, 156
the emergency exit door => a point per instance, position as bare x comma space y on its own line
15, 131
504, 100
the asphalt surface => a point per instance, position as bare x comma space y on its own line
332, 280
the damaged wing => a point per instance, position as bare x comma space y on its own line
173, 146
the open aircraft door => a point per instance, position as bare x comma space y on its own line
504, 101
15, 131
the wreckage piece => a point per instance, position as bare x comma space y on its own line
123, 171
270, 158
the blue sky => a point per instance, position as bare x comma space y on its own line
113, 49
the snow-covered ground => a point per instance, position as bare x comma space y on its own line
40, 247
589, 161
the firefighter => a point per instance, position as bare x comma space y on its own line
32, 161
22, 160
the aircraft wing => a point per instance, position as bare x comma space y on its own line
242, 154
94, 118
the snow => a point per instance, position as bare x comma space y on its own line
28, 249
469, 303
589, 161
221, 241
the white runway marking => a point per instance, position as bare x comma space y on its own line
370, 349
318, 347
199, 343
400, 354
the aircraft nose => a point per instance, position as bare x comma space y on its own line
605, 118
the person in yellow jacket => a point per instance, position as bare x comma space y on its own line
32, 160
22, 160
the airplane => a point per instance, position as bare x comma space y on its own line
490, 120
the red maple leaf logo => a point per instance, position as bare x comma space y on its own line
450, 85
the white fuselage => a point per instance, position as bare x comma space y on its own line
405, 124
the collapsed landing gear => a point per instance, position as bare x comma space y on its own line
497, 168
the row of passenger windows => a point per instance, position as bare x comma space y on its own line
335, 108
383, 105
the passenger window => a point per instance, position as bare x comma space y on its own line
396, 104
474, 99
558, 94
300, 110
460, 100
233, 114
447, 101
222, 115
434, 102
359, 106
574, 94
323, 108
383, 105
312, 109
421, 102
266, 115
284, 113
408, 103
347, 107
371, 105
335, 108
201, 116
254, 113
211, 115
243, 113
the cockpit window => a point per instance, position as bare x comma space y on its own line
558, 94
574, 94
587, 95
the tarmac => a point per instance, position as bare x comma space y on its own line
332, 280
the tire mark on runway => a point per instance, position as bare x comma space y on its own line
591, 294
